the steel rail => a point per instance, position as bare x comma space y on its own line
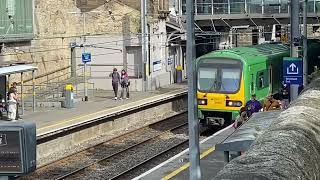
149, 159
124, 150
119, 136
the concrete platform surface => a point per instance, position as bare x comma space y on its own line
52, 119
177, 167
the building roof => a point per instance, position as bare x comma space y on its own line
16, 69
251, 54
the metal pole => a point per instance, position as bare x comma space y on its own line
33, 93
21, 92
85, 64
85, 82
294, 22
73, 62
194, 154
305, 43
295, 39
144, 42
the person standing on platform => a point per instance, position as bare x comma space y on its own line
125, 83
115, 82
253, 106
285, 96
12, 104
13, 88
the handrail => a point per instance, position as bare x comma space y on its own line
48, 73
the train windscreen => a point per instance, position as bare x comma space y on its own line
219, 76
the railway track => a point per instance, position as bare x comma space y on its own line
159, 157
92, 162
128, 172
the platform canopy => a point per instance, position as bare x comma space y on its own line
16, 69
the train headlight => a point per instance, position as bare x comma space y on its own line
202, 102
234, 103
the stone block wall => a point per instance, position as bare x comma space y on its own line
59, 22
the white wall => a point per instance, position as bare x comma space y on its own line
161, 74
124, 51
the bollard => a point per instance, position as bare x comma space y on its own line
69, 101
179, 74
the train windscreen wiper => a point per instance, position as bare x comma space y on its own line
214, 85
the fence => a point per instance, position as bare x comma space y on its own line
213, 7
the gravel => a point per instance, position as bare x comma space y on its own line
125, 160
112, 134
86, 157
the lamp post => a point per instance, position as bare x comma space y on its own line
144, 36
194, 155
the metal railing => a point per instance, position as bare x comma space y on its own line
51, 89
212, 7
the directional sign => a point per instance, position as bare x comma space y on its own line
86, 57
293, 70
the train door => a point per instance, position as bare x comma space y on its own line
259, 81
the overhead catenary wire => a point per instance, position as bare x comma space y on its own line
65, 47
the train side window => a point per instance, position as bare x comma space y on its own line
262, 79
252, 85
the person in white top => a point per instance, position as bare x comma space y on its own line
12, 105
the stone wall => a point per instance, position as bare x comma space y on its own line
244, 37
289, 148
59, 22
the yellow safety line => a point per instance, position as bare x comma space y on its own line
185, 166
109, 109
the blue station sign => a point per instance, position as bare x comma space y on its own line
293, 70
86, 57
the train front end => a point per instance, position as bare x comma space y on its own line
220, 90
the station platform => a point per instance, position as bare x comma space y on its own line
102, 104
213, 150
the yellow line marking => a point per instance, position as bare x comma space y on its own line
186, 165
109, 109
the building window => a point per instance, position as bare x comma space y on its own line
184, 7
220, 7
237, 7
204, 7
254, 6
11, 7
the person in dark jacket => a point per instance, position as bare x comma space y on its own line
124, 82
285, 96
115, 82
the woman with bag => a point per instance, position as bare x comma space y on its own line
125, 83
